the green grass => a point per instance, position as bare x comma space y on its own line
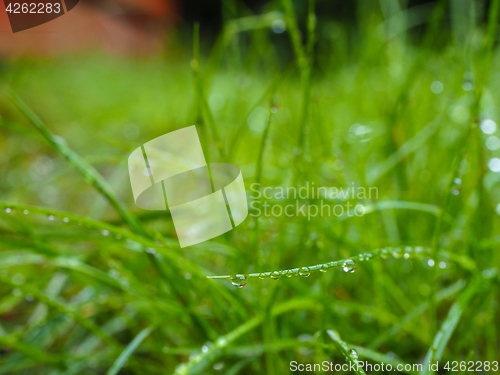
91, 284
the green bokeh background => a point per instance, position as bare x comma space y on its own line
399, 104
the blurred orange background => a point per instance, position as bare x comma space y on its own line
124, 27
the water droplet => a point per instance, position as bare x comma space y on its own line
8, 210
457, 181
430, 262
353, 353
275, 275
418, 249
349, 266
239, 280
204, 348
396, 253
407, 255
368, 256
29, 298
51, 217
150, 250
361, 257
16, 292
455, 192
323, 268
187, 276
278, 26
219, 366
26, 212
304, 272
193, 355
180, 368
384, 254
493, 143
467, 86
436, 87
66, 220
494, 165
105, 232
114, 273
488, 126
443, 265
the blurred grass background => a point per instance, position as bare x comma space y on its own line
396, 95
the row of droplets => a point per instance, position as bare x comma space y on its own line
104, 232
348, 266
240, 281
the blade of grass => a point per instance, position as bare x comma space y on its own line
419, 310
384, 252
413, 144
345, 350
84, 322
200, 362
88, 172
442, 337
127, 352
484, 63
304, 57
40, 356
207, 114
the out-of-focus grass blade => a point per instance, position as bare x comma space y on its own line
407, 148
345, 350
233, 27
39, 355
84, 322
449, 324
85, 169
127, 352
419, 310
199, 363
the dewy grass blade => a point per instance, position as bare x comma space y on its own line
349, 353
85, 169
349, 265
484, 59
127, 352
198, 364
443, 336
